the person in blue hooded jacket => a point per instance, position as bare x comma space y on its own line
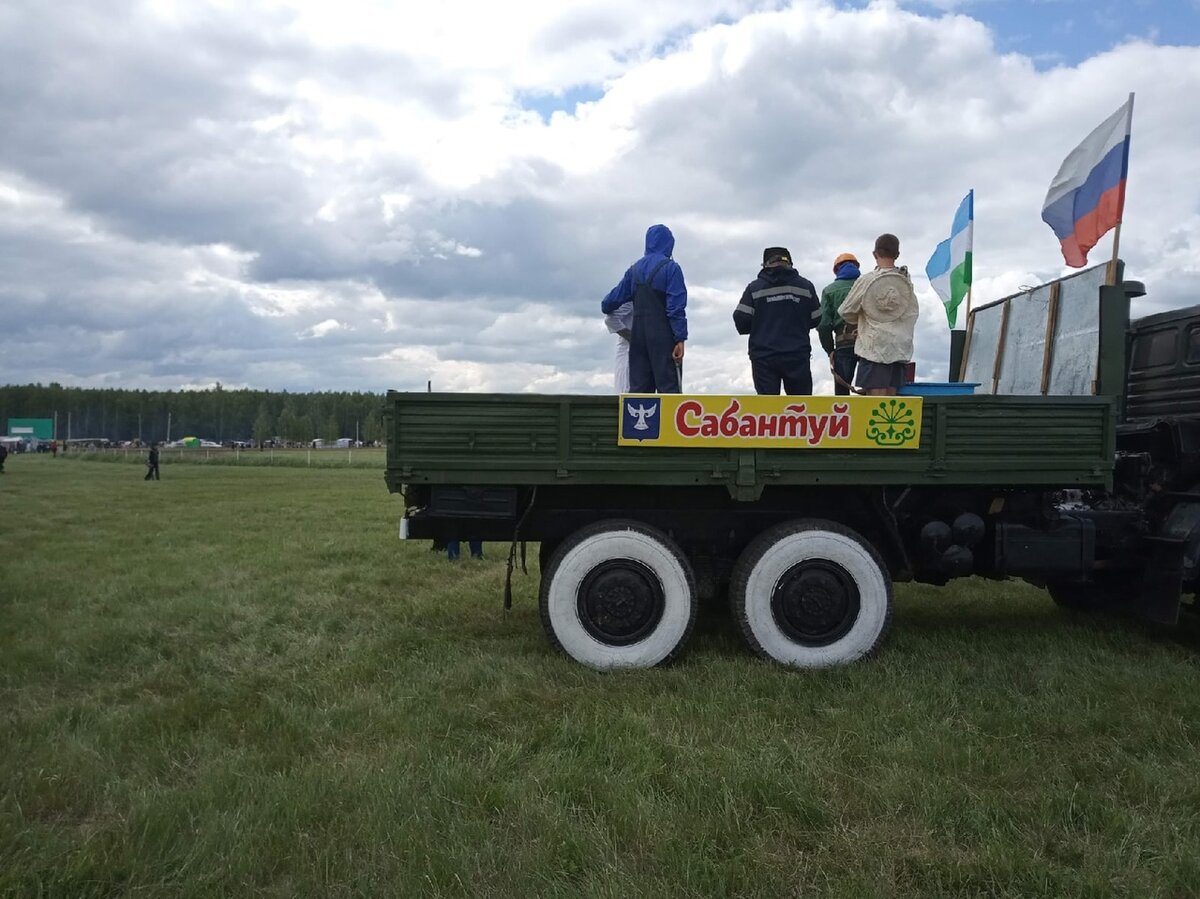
655, 285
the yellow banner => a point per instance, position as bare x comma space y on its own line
800, 422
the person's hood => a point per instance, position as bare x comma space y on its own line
847, 271
660, 240
777, 275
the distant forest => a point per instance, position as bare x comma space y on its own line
213, 414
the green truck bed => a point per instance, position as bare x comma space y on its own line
522, 439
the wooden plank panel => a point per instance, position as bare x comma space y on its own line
517, 439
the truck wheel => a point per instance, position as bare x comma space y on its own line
618, 594
545, 554
811, 593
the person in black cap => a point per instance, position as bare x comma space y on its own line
777, 310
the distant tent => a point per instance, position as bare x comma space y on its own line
191, 441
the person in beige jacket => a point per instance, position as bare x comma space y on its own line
884, 308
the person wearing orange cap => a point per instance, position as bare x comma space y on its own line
837, 338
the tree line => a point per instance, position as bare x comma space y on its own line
214, 414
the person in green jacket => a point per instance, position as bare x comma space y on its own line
837, 338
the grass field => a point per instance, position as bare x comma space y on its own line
237, 681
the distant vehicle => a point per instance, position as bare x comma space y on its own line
210, 443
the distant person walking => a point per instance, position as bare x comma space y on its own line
3, 456
152, 464
655, 285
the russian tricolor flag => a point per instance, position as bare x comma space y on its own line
1087, 196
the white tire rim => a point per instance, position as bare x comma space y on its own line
580, 560
813, 545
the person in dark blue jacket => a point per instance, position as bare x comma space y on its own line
777, 310
655, 285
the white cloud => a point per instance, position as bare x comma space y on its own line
183, 200
323, 329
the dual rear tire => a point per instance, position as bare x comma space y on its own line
811, 593
621, 594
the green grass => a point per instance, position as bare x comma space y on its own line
237, 681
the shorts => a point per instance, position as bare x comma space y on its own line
879, 375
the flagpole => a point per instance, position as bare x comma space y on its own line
1111, 274
962, 363
961, 374
966, 354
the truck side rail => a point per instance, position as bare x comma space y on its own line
523, 439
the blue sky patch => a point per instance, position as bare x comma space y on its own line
546, 105
1066, 32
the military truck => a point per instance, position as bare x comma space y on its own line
1067, 467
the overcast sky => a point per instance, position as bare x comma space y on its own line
367, 195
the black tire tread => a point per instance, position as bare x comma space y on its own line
753, 553
599, 527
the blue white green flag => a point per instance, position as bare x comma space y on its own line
949, 268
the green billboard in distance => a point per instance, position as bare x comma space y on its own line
31, 428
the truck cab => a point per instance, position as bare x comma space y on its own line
1160, 415
1163, 380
